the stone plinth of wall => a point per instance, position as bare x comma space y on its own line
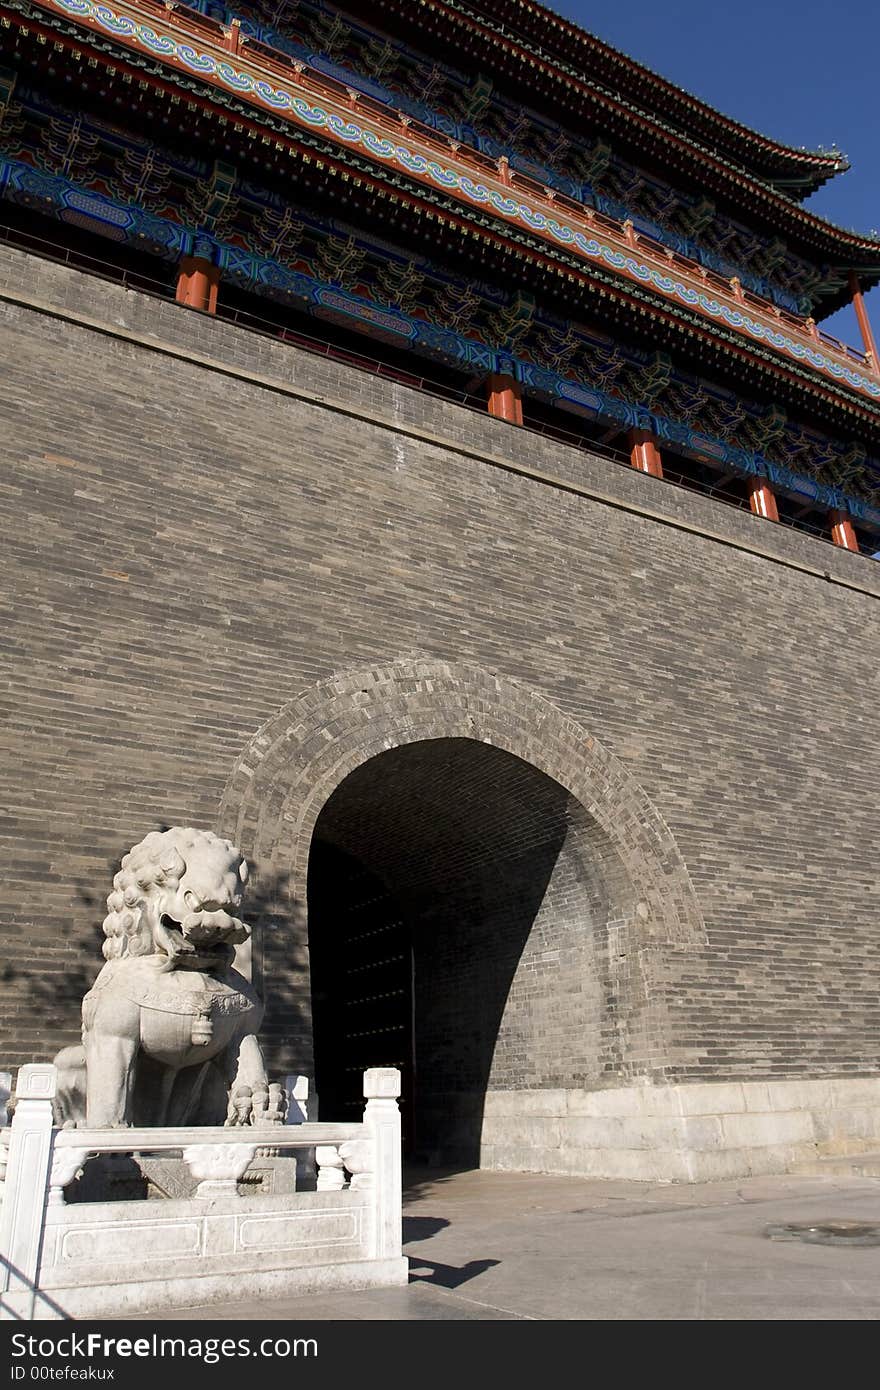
686, 1133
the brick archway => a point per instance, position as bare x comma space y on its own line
301, 756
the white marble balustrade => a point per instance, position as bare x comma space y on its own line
63, 1259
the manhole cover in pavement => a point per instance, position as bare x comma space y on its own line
826, 1232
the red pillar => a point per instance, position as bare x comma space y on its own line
858, 301
842, 530
644, 453
762, 500
197, 282
505, 398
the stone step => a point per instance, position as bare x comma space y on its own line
863, 1165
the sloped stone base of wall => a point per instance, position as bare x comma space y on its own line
686, 1133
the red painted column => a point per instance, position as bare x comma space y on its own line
762, 500
505, 398
858, 301
842, 530
197, 282
644, 453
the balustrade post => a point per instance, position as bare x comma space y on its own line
22, 1216
302, 1105
297, 1088
382, 1123
232, 36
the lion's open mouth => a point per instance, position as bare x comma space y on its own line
204, 939
204, 928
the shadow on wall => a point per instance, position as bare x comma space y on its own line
48, 989
281, 974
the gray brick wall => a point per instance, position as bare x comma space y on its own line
186, 550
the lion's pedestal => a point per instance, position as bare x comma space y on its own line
115, 1258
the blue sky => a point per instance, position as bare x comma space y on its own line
806, 73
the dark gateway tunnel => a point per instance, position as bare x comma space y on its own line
457, 930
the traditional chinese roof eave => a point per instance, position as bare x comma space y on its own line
783, 211
724, 177
777, 166
842, 476
823, 242
868, 276
573, 49
833, 399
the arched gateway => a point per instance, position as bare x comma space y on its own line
456, 878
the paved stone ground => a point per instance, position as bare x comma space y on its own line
514, 1246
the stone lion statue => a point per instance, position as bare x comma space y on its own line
169, 1027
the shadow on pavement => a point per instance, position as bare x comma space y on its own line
422, 1227
448, 1276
